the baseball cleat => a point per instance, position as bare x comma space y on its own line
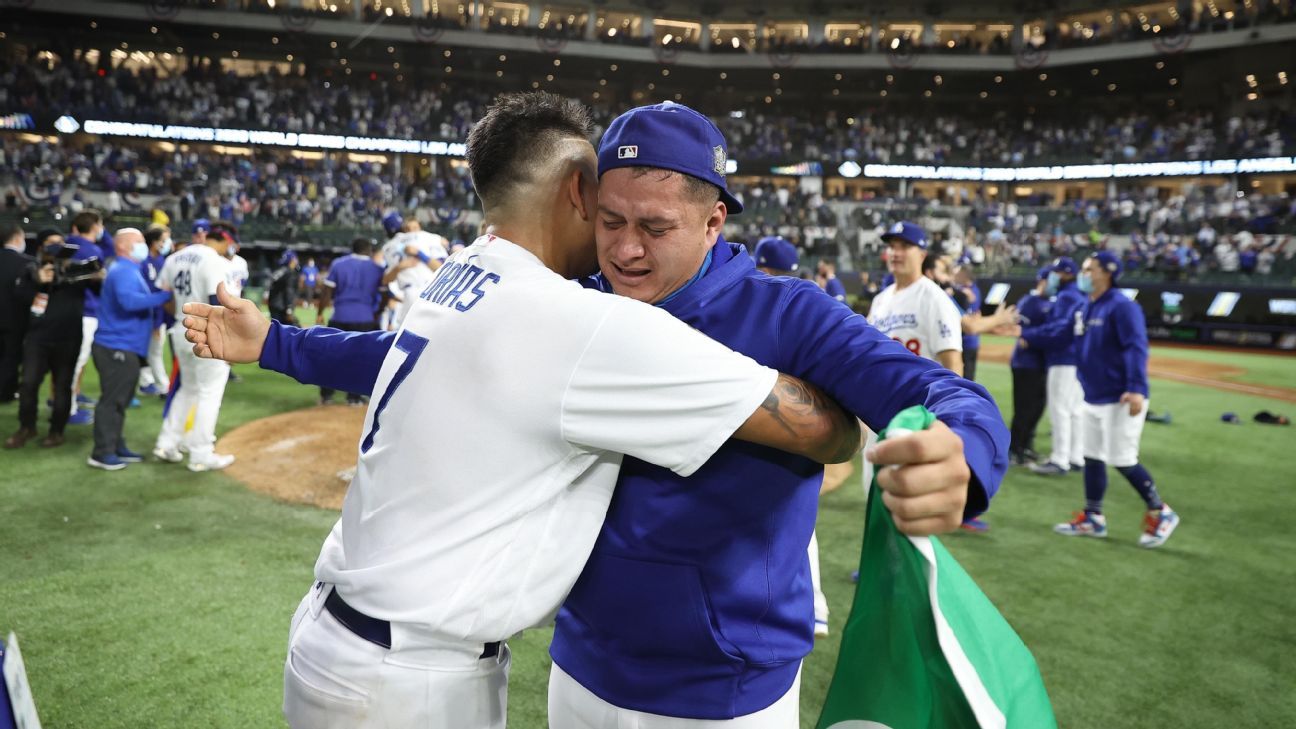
129, 456
134, 403
217, 462
152, 390
1049, 469
821, 629
170, 455
1157, 527
109, 462
975, 525
81, 417
86, 401
1083, 525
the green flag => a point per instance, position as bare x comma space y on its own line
924, 648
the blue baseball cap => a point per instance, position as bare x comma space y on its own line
392, 222
202, 225
910, 233
668, 136
1110, 263
287, 257
1043, 273
1065, 265
777, 253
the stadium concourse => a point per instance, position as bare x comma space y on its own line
322, 146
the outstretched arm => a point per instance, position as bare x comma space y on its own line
798, 417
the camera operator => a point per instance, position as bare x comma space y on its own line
281, 294
55, 287
14, 263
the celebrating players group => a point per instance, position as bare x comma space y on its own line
601, 414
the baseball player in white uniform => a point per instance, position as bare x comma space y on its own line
193, 275
411, 258
914, 310
532, 390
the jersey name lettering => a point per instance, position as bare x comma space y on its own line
896, 321
454, 280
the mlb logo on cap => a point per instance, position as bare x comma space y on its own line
629, 151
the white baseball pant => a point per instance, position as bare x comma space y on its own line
1065, 407
334, 679
155, 373
200, 388
89, 325
572, 706
820, 602
1111, 434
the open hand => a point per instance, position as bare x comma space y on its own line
235, 331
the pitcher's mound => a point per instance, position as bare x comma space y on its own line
303, 457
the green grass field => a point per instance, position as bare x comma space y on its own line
154, 597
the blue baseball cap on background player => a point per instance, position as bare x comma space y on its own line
777, 253
668, 136
202, 225
1043, 273
392, 222
287, 257
1065, 265
910, 233
1110, 263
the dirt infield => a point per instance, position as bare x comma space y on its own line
1206, 374
298, 456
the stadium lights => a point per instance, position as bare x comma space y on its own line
1084, 172
850, 169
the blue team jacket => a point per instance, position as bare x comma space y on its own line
126, 308
696, 601
1032, 309
1056, 336
1113, 351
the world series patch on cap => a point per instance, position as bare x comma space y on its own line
668, 136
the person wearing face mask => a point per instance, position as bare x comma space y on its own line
1055, 337
121, 342
1030, 392
153, 377
1111, 358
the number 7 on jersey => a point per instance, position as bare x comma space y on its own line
412, 345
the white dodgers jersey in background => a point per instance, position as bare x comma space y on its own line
494, 437
412, 280
193, 274
920, 316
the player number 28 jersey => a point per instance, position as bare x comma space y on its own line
920, 316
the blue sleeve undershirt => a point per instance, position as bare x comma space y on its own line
327, 357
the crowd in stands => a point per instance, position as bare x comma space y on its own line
206, 95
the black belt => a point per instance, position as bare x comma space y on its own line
374, 630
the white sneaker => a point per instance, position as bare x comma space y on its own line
170, 455
1157, 527
217, 462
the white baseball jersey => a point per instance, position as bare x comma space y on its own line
414, 279
193, 274
489, 455
920, 316
237, 277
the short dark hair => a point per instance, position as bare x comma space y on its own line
85, 221
9, 230
154, 235
695, 188
517, 131
362, 246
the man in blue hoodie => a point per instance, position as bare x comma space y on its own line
696, 603
121, 342
1055, 337
1112, 365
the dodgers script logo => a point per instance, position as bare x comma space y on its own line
896, 321
629, 151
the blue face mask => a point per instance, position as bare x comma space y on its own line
1054, 280
139, 251
167, 246
1085, 283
